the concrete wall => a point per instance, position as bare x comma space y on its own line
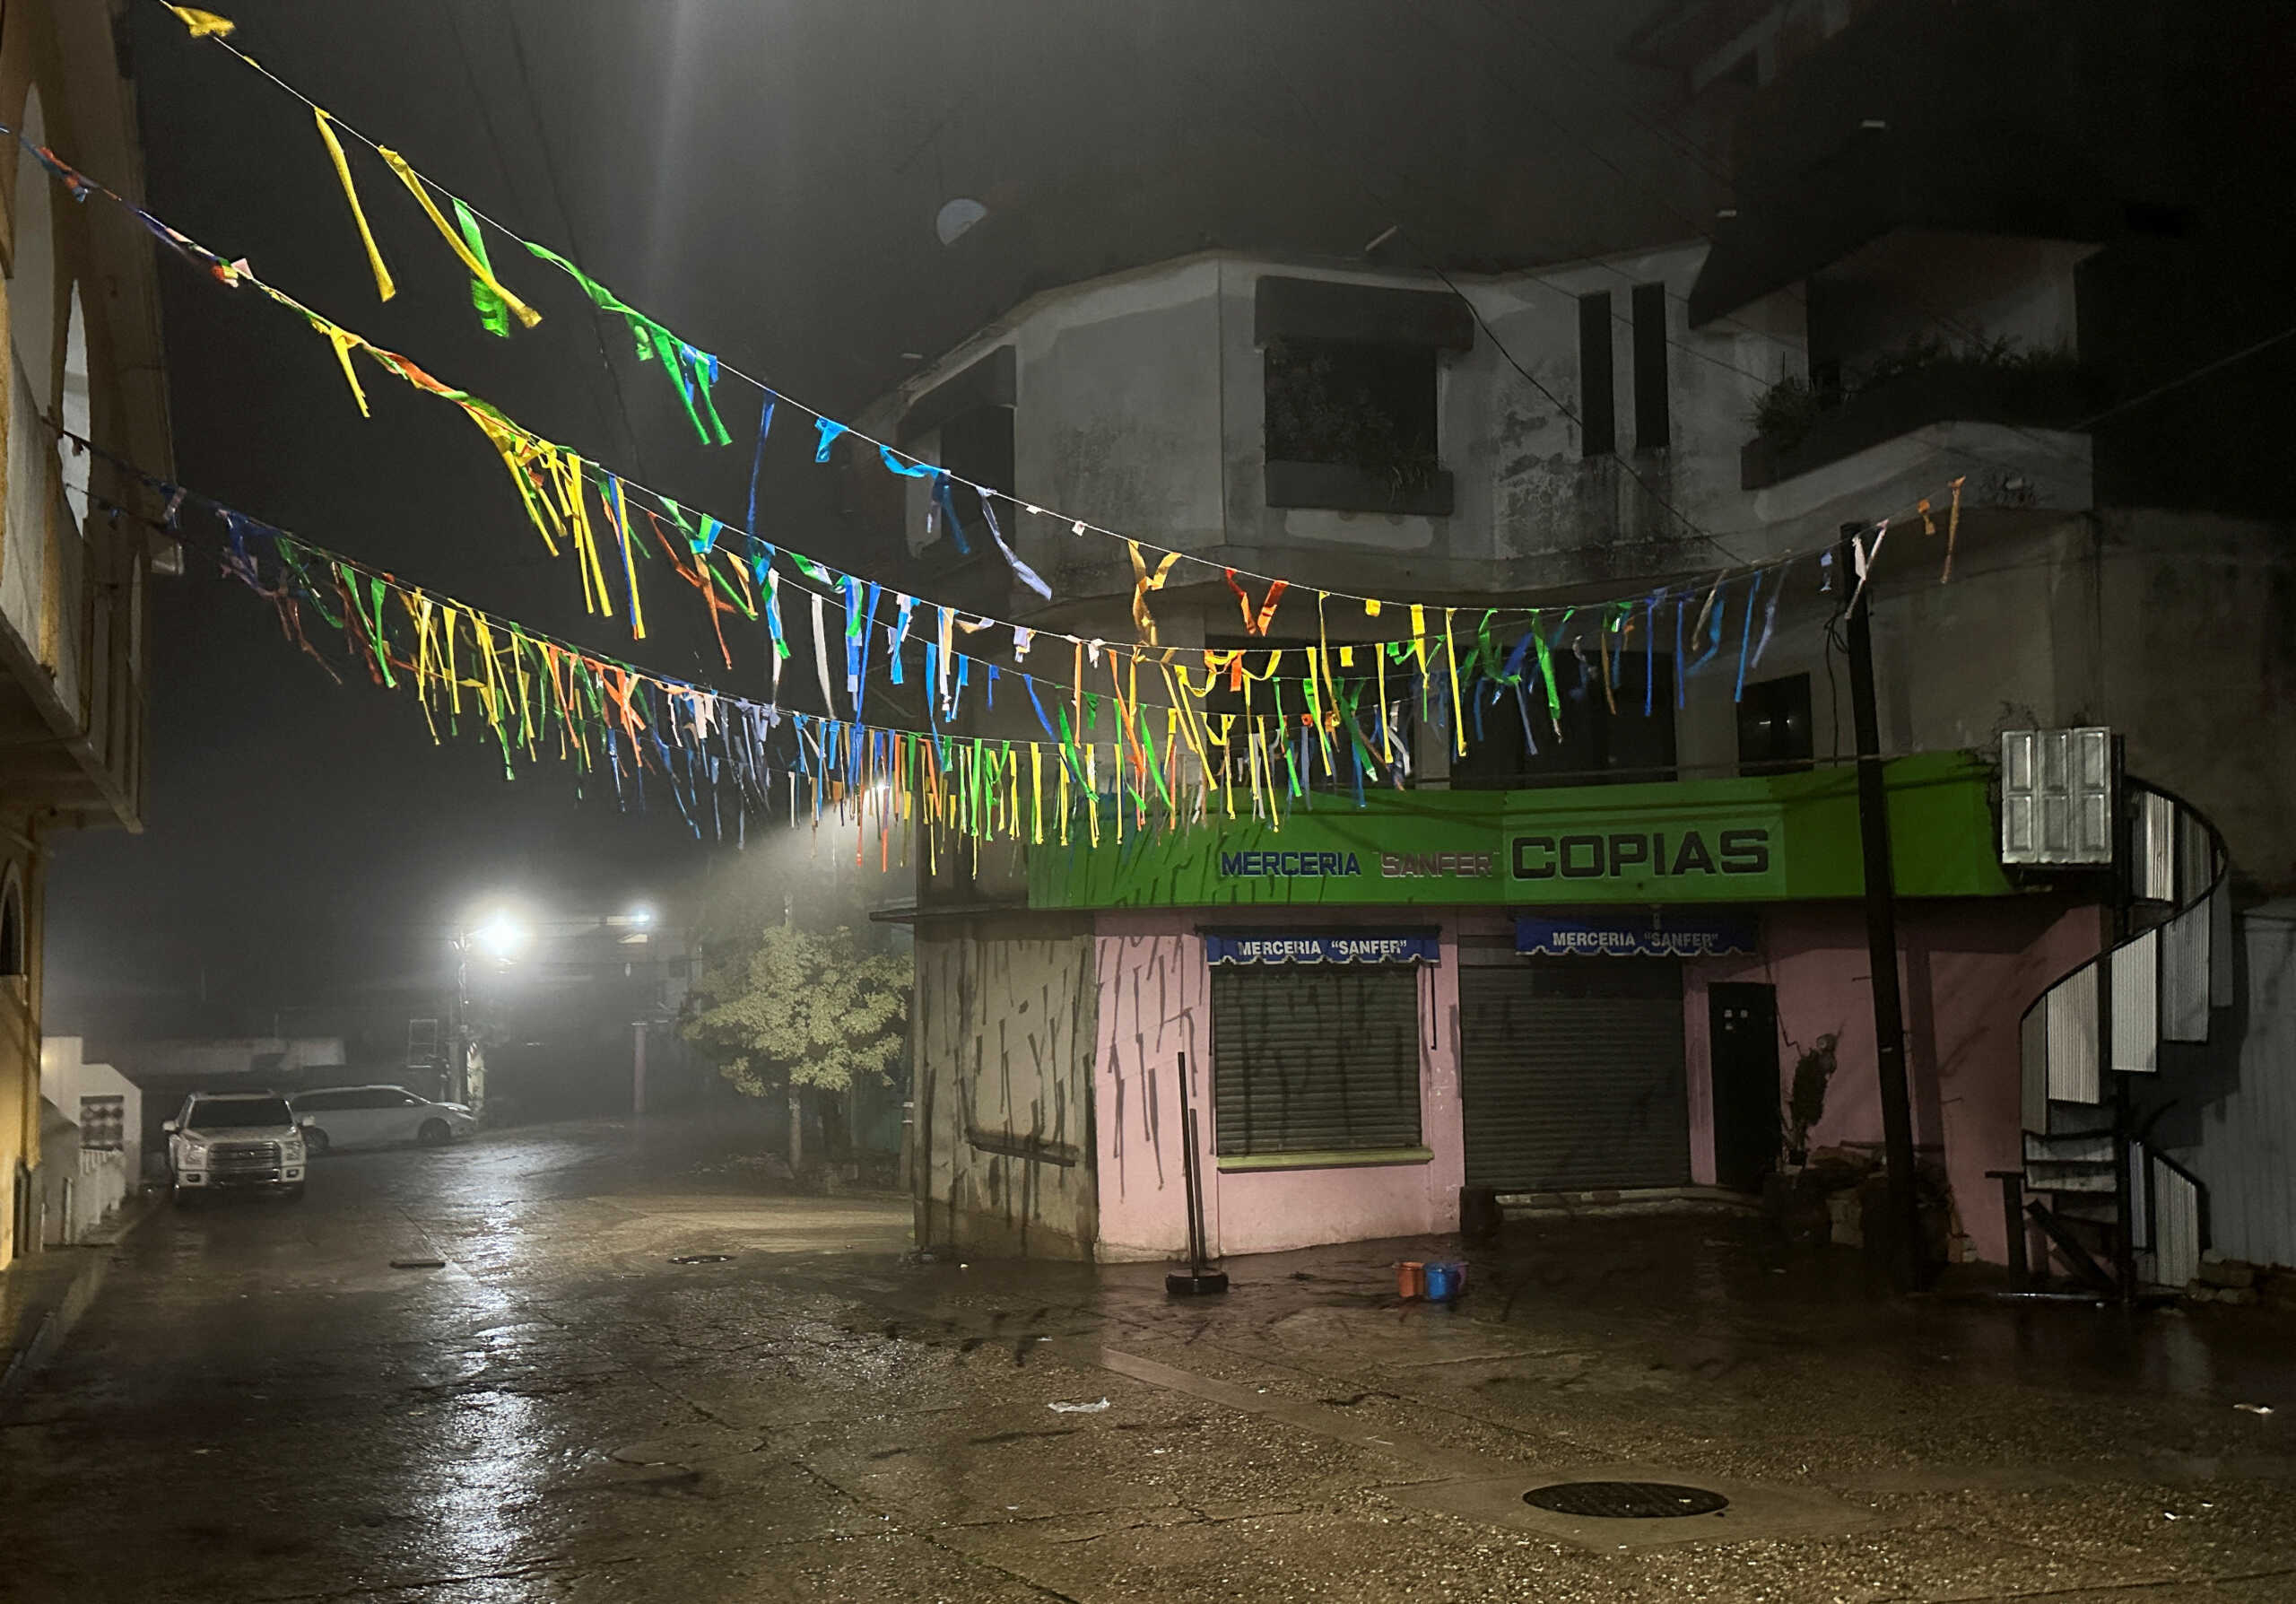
1140, 406
1005, 1018
1967, 972
82, 1186
1156, 986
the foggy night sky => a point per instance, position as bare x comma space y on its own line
761, 178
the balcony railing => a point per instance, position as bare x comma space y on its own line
2033, 397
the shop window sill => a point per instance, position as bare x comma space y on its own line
1339, 1159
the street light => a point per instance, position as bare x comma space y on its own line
501, 938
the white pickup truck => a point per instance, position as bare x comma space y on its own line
234, 1141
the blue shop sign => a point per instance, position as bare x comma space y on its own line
1634, 936
1351, 947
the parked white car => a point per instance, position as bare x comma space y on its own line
377, 1116
235, 1140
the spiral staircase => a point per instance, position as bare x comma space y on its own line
2119, 1216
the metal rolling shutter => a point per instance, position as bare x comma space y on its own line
1572, 1074
1313, 1057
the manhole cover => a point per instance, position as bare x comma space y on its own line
1625, 1500
703, 1259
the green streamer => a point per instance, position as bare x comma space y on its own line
493, 316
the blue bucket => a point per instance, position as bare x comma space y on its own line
1444, 1282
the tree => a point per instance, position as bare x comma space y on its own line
802, 1011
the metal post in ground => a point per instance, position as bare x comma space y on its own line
1199, 1278
1881, 921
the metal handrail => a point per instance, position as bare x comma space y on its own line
2221, 862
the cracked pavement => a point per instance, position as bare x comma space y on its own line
260, 1408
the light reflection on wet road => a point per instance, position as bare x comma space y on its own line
261, 1407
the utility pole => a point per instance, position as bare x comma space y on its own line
1881, 921
637, 1070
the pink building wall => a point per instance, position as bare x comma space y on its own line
1155, 986
1967, 970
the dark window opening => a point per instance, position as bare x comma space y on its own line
1312, 1059
977, 446
1653, 419
1346, 404
1774, 728
1606, 738
12, 929
1597, 405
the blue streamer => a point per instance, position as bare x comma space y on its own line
948, 504
757, 469
830, 430
896, 463
1681, 663
1028, 575
1746, 638
900, 633
1650, 652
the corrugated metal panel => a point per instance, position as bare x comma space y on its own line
2195, 857
2153, 848
2137, 1005
2032, 1048
2071, 1006
2176, 1227
1311, 1058
2184, 975
1572, 1074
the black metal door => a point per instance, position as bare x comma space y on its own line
1742, 1027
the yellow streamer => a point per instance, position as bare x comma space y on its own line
343, 340
526, 316
383, 285
204, 24
1458, 713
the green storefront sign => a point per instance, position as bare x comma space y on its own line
1772, 839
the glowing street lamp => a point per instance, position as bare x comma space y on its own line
501, 938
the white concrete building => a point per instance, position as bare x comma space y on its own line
98, 1163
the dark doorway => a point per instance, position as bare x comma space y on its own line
1742, 1025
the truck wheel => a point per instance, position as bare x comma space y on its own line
181, 1196
433, 1133
316, 1143
293, 1192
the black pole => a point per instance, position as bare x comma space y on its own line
1192, 1195
1881, 922
1199, 1278
2124, 1179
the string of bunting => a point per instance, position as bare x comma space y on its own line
556, 486
695, 372
554, 480
535, 696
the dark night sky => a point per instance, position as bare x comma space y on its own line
763, 178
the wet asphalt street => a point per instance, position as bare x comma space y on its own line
260, 1407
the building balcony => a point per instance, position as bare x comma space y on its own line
2016, 399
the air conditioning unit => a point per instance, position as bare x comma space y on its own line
2056, 797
